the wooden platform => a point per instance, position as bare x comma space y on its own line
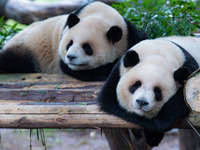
51, 101
56, 101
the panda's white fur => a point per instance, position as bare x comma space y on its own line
158, 60
43, 38
45, 46
92, 29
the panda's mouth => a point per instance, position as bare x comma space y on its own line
144, 110
148, 113
77, 65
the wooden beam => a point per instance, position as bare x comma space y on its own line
58, 116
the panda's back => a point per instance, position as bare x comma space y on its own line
39, 42
103, 11
37, 31
190, 44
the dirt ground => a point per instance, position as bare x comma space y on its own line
74, 139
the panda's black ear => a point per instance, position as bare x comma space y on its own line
130, 59
182, 74
114, 34
72, 20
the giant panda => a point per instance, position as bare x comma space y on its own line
146, 86
84, 44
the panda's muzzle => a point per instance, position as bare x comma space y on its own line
72, 60
71, 57
142, 102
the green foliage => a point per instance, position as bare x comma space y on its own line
6, 31
162, 17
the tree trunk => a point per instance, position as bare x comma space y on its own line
27, 11
126, 139
2, 7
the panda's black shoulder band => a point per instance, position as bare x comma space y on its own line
189, 59
189, 66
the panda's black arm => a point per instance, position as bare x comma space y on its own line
172, 111
153, 138
107, 96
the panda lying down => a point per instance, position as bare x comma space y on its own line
84, 44
146, 86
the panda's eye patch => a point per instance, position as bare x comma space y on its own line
69, 45
158, 93
88, 50
135, 86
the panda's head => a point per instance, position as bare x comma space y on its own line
90, 42
144, 87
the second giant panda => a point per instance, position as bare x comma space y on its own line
84, 44
146, 86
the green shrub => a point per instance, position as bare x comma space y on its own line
7, 31
162, 17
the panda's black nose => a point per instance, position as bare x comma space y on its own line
71, 57
142, 102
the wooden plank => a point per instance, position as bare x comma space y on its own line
48, 95
58, 116
35, 78
46, 88
48, 109
62, 121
